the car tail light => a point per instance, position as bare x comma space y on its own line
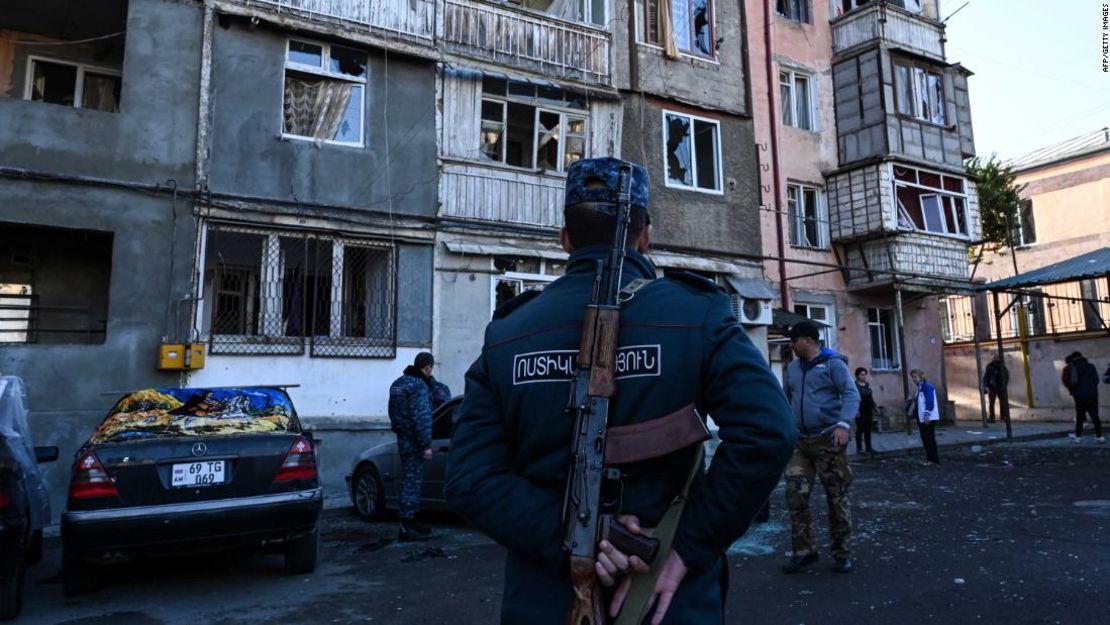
300, 462
90, 479
5, 499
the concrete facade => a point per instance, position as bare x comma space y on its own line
112, 173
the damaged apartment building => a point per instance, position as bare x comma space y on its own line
865, 125
310, 192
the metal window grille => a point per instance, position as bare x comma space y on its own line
275, 292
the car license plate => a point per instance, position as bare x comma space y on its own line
204, 473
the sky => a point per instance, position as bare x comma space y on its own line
1038, 70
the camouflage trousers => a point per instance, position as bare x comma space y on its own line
412, 475
822, 458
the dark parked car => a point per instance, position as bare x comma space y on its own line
174, 470
374, 480
24, 503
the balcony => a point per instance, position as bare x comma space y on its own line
415, 18
531, 40
894, 26
472, 191
920, 258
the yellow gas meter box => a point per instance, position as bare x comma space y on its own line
180, 357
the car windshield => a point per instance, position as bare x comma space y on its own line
174, 412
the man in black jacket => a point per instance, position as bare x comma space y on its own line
679, 343
995, 379
1081, 379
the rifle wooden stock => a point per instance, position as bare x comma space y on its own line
587, 608
598, 350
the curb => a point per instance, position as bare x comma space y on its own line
909, 451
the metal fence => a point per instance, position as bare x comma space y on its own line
275, 292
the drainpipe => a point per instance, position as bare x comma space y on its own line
633, 51
776, 203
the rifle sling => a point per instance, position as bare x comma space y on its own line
640, 594
682, 428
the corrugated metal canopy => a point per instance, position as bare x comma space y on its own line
1090, 265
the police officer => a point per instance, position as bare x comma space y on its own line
679, 344
412, 399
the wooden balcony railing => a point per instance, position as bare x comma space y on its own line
474, 191
897, 26
500, 34
408, 17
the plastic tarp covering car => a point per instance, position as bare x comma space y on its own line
177, 412
16, 432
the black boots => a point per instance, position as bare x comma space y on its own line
413, 531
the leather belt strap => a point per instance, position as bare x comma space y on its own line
682, 428
642, 591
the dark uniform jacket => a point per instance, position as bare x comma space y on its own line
1081, 378
410, 409
679, 343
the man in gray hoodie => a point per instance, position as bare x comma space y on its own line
824, 400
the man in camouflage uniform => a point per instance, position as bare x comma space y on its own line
412, 399
824, 399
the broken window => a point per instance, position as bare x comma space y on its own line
65, 53
808, 225
920, 93
794, 10
796, 91
1024, 228
324, 92
690, 23
53, 284
524, 125
515, 275
691, 152
885, 351
930, 201
73, 84
269, 291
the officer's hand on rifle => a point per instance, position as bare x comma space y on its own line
674, 571
613, 564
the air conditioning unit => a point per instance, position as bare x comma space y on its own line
751, 311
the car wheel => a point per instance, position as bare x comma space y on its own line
34, 548
77, 579
367, 493
301, 553
11, 593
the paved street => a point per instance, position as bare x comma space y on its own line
1009, 535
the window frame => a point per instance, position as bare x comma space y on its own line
1019, 227
915, 110
564, 113
808, 9
718, 162
811, 93
643, 31
940, 193
891, 331
268, 338
78, 88
797, 222
545, 277
325, 56
827, 333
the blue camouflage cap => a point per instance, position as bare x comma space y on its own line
606, 170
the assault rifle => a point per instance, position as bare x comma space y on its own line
590, 498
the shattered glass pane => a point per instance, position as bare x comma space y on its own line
347, 61
936, 99
547, 141
493, 130
678, 150
53, 83
703, 31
